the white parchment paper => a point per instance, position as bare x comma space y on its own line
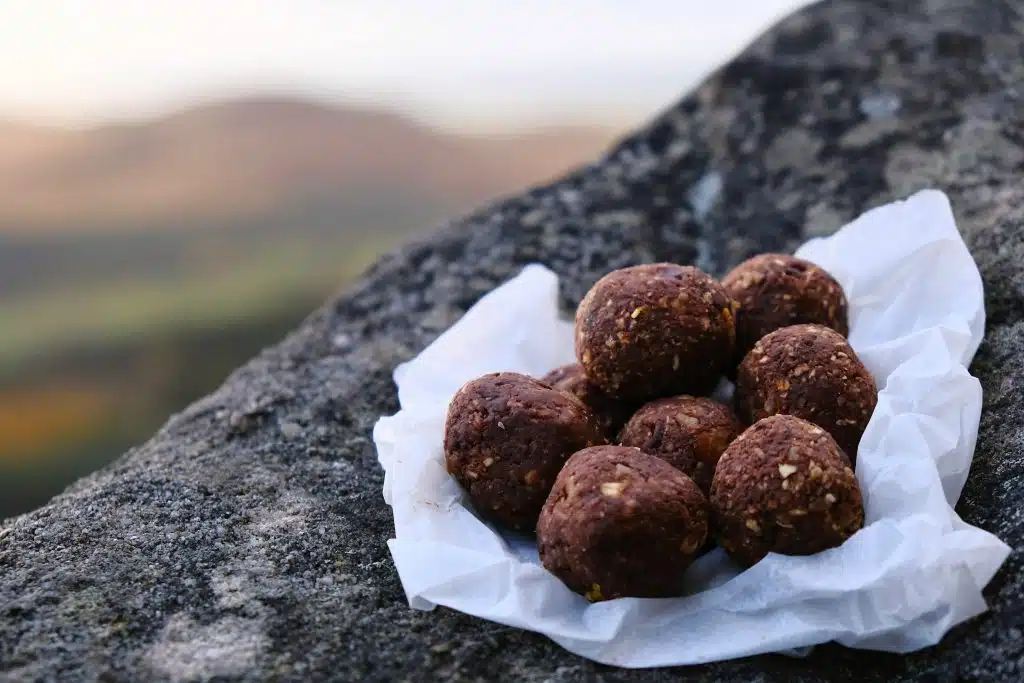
915, 570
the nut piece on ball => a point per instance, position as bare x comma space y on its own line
812, 372
783, 486
687, 432
610, 413
621, 523
506, 437
778, 290
655, 330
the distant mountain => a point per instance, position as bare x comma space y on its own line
241, 159
140, 262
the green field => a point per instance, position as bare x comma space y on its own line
86, 373
119, 311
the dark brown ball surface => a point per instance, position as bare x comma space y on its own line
784, 486
690, 433
812, 372
778, 290
655, 330
610, 413
506, 438
621, 523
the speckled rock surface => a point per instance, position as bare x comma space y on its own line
246, 541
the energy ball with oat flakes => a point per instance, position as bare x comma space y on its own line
779, 290
809, 371
690, 433
784, 486
621, 523
610, 413
506, 437
655, 330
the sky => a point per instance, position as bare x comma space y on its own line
459, 63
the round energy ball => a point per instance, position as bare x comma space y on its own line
779, 290
687, 432
610, 413
655, 330
506, 437
783, 486
812, 372
621, 523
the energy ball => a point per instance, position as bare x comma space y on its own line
809, 371
506, 437
687, 432
655, 330
779, 290
783, 486
610, 413
621, 523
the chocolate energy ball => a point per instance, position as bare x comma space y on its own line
779, 290
621, 523
506, 437
655, 330
812, 372
784, 486
687, 432
610, 413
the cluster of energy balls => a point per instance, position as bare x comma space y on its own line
625, 468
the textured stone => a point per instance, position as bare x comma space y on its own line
246, 541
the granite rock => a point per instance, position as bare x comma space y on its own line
246, 540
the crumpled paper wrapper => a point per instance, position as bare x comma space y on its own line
915, 570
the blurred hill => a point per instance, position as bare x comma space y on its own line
244, 158
142, 262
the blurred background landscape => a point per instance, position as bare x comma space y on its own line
181, 185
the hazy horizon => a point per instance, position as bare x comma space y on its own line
449, 63
481, 128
